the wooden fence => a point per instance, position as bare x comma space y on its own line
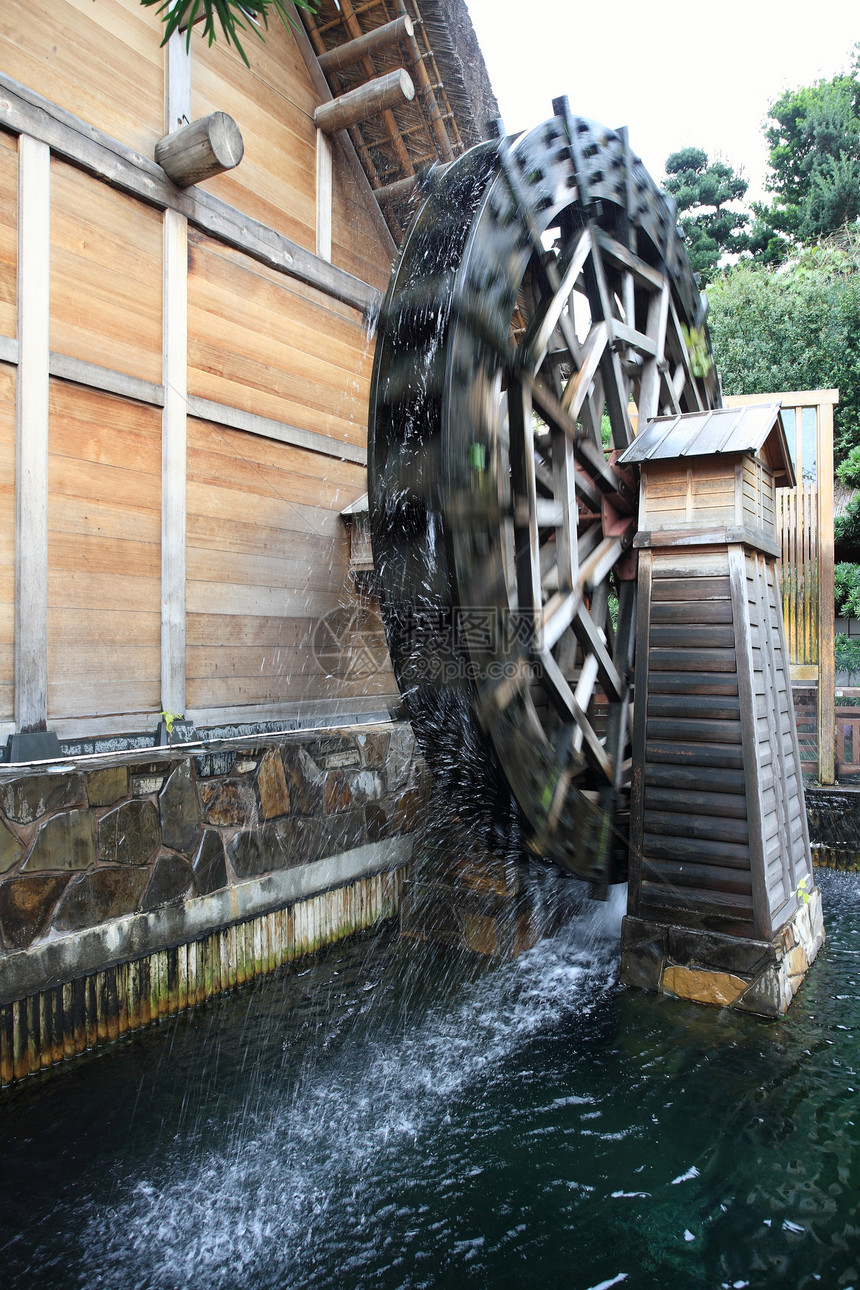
805, 525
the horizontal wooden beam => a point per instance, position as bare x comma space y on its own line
352, 51
365, 101
200, 150
121, 384
398, 191
790, 398
238, 419
104, 378
22, 111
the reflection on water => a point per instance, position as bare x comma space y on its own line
402, 1117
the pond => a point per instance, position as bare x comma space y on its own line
396, 1116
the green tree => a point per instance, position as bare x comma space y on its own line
814, 158
705, 190
795, 328
230, 16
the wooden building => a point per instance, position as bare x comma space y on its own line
184, 367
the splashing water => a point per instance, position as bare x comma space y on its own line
401, 1117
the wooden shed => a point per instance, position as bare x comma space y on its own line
184, 362
718, 833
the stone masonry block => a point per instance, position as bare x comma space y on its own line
304, 779
65, 841
272, 786
260, 851
26, 800
10, 849
373, 746
229, 802
337, 792
25, 907
129, 834
104, 787
401, 752
177, 807
210, 869
171, 880
100, 896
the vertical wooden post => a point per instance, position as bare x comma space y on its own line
173, 461
177, 108
177, 112
324, 196
826, 611
31, 487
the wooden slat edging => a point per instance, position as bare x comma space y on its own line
749, 739
826, 610
31, 475
8, 349
174, 453
640, 709
24, 112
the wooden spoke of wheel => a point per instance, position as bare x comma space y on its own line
540, 294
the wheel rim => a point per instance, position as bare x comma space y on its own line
541, 288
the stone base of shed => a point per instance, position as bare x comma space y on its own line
761, 977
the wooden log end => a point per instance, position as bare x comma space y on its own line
196, 152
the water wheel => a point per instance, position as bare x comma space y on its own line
541, 292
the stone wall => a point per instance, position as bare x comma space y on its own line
834, 827
109, 862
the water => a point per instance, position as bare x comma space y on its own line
401, 1119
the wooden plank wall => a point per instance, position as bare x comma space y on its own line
277, 383
276, 182
274, 347
8, 236
97, 58
266, 561
106, 262
783, 820
693, 834
8, 381
104, 554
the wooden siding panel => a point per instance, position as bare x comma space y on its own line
101, 61
263, 568
356, 244
268, 346
8, 235
8, 380
273, 105
106, 253
104, 560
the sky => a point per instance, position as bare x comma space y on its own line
673, 73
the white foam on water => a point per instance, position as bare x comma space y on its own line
306, 1167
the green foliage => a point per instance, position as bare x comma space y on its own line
846, 530
814, 142
847, 590
696, 340
231, 16
795, 328
704, 189
848, 655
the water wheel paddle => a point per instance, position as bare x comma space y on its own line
541, 291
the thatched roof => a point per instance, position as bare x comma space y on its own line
464, 72
453, 104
